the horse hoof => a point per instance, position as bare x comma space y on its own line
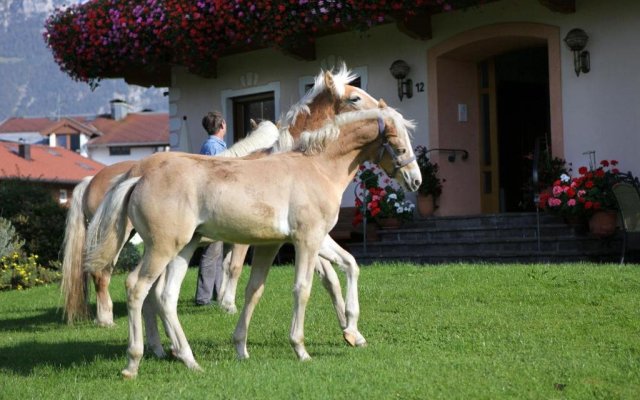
105, 324
126, 374
350, 338
305, 357
229, 308
194, 366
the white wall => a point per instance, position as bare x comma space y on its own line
101, 154
600, 109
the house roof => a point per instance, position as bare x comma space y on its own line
47, 164
135, 129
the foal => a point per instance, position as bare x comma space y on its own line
299, 204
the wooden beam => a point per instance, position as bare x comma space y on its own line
300, 48
561, 6
158, 76
417, 26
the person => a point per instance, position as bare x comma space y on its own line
210, 270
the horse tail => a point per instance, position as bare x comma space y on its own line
263, 137
107, 231
73, 278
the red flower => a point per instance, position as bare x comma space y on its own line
582, 170
588, 184
604, 163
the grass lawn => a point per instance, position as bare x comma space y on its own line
454, 331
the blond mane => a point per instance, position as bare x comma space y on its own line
341, 78
313, 142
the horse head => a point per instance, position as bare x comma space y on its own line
395, 154
330, 95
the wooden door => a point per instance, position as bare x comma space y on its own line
489, 172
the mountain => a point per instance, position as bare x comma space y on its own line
31, 83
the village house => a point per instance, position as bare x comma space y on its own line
491, 79
55, 168
110, 138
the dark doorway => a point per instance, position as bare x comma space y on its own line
257, 107
523, 114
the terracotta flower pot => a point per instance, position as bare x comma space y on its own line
388, 223
426, 204
603, 223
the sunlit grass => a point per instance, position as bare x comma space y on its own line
453, 332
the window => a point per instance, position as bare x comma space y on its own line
61, 141
259, 107
119, 151
62, 196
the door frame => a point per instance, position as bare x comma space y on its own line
461, 194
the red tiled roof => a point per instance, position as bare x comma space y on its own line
147, 128
135, 128
48, 164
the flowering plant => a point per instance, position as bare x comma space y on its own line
431, 184
585, 194
103, 38
381, 195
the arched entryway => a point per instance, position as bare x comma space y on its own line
492, 91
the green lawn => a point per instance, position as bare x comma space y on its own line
454, 331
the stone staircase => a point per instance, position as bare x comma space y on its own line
502, 238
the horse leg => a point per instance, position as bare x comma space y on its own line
336, 254
232, 268
138, 284
104, 305
306, 257
262, 259
150, 311
331, 283
175, 273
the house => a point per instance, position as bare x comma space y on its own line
107, 139
490, 79
56, 168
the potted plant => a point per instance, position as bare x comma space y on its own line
431, 187
588, 197
380, 198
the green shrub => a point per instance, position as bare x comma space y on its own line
21, 272
36, 217
10, 242
129, 257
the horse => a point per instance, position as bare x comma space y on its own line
299, 205
86, 198
330, 95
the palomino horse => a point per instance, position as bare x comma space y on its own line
298, 204
86, 198
330, 95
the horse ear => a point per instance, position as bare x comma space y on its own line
253, 123
329, 83
382, 104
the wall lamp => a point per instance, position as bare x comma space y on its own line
577, 39
399, 70
464, 155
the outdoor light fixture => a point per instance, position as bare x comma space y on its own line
399, 70
577, 39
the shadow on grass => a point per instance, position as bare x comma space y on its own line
24, 358
51, 318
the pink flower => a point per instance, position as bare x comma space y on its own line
557, 191
553, 202
571, 202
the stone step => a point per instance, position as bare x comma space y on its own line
488, 238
